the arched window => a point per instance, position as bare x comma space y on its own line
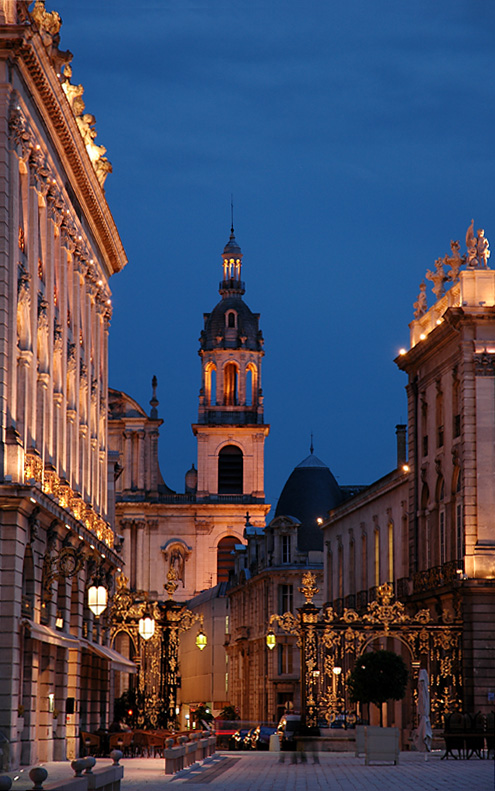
230, 385
230, 470
249, 387
251, 384
231, 319
211, 384
225, 558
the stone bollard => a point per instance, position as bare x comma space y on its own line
5, 783
78, 766
90, 762
38, 775
117, 755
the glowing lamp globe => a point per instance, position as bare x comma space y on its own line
271, 640
201, 640
146, 628
97, 599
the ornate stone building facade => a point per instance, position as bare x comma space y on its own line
428, 527
193, 533
59, 247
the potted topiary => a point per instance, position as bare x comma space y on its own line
379, 676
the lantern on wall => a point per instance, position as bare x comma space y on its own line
271, 639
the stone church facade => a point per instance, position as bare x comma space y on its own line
194, 533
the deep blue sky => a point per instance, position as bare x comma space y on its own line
357, 138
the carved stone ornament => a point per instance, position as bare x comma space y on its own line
67, 564
484, 364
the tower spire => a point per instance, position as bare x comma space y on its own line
232, 263
154, 401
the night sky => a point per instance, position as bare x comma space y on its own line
357, 139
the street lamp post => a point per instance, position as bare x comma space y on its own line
154, 629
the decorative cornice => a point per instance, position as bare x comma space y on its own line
484, 364
27, 49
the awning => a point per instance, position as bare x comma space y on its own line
117, 661
46, 634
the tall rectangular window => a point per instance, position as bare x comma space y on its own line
285, 598
285, 660
391, 552
443, 552
364, 562
352, 567
459, 533
285, 549
377, 557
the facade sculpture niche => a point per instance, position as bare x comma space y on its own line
175, 555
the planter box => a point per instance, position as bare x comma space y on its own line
380, 744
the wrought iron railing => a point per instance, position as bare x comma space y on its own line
435, 577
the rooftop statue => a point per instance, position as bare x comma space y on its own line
71, 91
438, 278
478, 251
455, 261
49, 24
421, 306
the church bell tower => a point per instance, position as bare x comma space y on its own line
230, 430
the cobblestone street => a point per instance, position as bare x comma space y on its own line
263, 772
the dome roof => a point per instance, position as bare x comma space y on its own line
232, 248
217, 334
310, 492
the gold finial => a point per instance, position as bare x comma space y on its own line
308, 587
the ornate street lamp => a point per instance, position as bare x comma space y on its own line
158, 658
146, 627
97, 599
271, 639
201, 639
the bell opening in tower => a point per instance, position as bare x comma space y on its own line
230, 470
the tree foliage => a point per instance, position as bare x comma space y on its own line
378, 676
229, 713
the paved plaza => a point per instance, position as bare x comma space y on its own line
263, 772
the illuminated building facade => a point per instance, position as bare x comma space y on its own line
59, 247
428, 527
